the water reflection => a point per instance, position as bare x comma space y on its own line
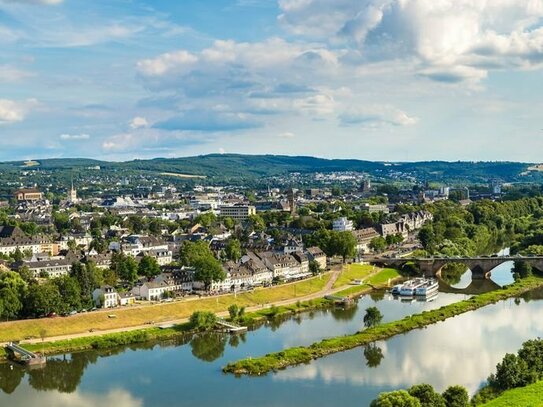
208, 346
462, 350
373, 354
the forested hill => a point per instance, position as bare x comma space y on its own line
238, 165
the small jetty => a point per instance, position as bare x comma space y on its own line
21, 355
230, 326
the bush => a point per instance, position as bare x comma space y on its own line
399, 398
203, 320
456, 396
427, 396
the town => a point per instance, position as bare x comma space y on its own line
79, 254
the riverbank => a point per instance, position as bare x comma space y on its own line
251, 319
529, 396
138, 317
298, 355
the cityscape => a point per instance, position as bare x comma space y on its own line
271, 202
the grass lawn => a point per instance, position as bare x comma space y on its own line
353, 272
126, 317
383, 277
529, 396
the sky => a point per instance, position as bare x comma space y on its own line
391, 80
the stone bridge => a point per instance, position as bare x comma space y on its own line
481, 267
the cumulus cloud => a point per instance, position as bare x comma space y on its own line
376, 116
453, 40
139, 122
286, 134
74, 137
12, 111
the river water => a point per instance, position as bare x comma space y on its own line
187, 372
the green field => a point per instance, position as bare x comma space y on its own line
353, 272
140, 315
529, 396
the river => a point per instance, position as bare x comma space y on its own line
462, 350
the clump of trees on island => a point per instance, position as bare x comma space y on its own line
522, 369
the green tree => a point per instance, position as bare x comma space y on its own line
456, 396
70, 292
342, 244
372, 317
203, 320
207, 270
233, 250
233, 311
10, 303
148, 267
511, 372
43, 299
524, 269
192, 251
427, 396
378, 244
399, 398
229, 223
314, 267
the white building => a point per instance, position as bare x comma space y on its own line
343, 225
105, 297
237, 212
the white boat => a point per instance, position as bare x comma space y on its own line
410, 286
396, 289
429, 287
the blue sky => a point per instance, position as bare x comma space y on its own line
368, 79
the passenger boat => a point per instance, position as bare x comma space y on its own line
410, 286
429, 286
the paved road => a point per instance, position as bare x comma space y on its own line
319, 294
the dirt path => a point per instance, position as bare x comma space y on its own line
319, 294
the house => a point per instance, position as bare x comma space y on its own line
13, 238
282, 266
303, 260
363, 239
126, 299
136, 244
154, 290
28, 194
293, 246
105, 297
49, 267
316, 254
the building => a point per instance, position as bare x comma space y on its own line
375, 208
72, 194
363, 239
316, 254
51, 268
238, 211
105, 297
28, 194
13, 238
365, 187
343, 225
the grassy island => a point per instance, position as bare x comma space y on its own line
304, 354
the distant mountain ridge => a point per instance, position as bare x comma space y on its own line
240, 165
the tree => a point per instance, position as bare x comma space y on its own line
342, 244
510, 373
314, 267
456, 396
378, 244
10, 303
233, 311
70, 292
125, 267
229, 223
192, 251
203, 320
523, 268
148, 267
257, 223
399, 398
373, 317
43, 299
207, 270
427, 396
233, 250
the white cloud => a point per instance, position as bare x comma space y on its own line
139, 122
118, 142
9, 73
12, 111
458, 39
286, 134
74, 137
376, 116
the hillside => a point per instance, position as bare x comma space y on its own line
257, 166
